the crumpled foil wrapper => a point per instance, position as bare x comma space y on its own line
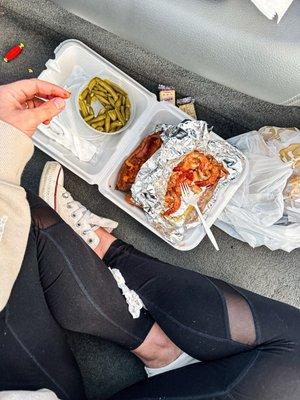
151, 182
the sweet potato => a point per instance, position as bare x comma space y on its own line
133, 163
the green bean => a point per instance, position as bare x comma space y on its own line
123, 112
100, 88
120, 116
127, 113
100, 92
116, 87
98, 119
92, 84
88, 118
118, 102
102, 111
84, 93
110, 99
109, 89
116, 124
102, 99
98, 124
83, 108
107, 123
112, 114
88, 99
123, 100
91, 111
109, 107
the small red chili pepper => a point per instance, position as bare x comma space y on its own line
13, 52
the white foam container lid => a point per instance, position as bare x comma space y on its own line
103, 169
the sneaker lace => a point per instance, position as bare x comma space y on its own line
78, 209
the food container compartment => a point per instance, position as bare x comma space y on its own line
68, 54
162, 113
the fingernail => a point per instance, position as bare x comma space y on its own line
59, 103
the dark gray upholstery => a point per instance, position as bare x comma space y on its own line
229, 42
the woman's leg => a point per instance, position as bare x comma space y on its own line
79, 289
83, 295
34, 353
249, 345
63, 283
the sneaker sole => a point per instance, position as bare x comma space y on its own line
50, 178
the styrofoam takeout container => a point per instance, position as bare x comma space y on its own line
103, 169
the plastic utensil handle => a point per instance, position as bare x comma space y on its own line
207, 229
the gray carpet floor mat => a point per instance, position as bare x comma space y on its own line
105, 367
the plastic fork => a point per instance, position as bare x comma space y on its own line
192, 199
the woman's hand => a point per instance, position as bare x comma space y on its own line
26, 104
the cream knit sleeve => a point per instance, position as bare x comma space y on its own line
15, 151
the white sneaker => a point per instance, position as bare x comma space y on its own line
83, 221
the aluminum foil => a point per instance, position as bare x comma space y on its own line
151, 182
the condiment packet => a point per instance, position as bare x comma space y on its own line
167, 93
187, 105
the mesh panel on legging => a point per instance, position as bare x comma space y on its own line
240, 318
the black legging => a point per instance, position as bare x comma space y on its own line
249, 345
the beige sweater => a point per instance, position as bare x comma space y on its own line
15, 151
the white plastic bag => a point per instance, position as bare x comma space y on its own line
266, 208
63, 128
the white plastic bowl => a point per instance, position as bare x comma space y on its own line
92, 133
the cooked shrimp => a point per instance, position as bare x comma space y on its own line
213, 175
198, 171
